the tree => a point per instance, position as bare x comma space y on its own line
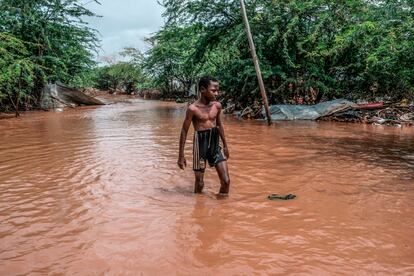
353, 48
55, 38
16, 71
124, 75
171, 61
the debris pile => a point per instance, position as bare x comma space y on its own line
340, 110
376, 114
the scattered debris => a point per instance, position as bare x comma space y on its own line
376, 114
280, 197
230, 108
340, 110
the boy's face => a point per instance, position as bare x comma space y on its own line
211, 92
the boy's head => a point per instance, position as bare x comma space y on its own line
208, 87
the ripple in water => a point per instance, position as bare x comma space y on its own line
97, 191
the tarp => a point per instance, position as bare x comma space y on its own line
307, 112
58, 95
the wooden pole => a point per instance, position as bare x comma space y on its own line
256, 62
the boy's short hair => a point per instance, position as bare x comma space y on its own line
205, 81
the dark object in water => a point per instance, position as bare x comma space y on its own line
281, 197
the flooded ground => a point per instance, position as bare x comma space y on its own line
97, 191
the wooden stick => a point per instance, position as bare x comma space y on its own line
255, 62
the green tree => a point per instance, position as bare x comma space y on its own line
124, 75
54, 35
171, 61
16, 71
352, 48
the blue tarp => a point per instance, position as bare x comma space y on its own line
289, 112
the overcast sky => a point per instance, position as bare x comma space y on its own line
124, 23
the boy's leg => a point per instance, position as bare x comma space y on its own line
223, 173
199, 182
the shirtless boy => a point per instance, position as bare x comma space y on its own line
208, 129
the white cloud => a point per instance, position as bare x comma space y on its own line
125, 23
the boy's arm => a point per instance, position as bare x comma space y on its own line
221, 131
183, 136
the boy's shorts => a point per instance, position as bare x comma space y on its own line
206, 148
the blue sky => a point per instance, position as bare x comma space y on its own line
124, 23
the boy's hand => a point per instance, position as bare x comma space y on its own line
226, 152
181, 162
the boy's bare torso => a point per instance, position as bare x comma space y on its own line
204, 116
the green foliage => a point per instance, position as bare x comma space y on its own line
170, 61
125, 75
122, 75
353, 48
55, 43
16, 71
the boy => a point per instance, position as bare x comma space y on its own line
208, 129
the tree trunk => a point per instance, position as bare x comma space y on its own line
15, 107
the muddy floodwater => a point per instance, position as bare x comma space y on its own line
95, 191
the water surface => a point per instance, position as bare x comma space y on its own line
97, 190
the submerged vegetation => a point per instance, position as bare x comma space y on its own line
308, 49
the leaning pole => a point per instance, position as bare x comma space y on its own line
256, 62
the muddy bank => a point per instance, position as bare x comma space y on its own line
74, 98
112, 96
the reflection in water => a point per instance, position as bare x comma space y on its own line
97, 190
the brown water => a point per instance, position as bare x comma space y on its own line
96, 191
